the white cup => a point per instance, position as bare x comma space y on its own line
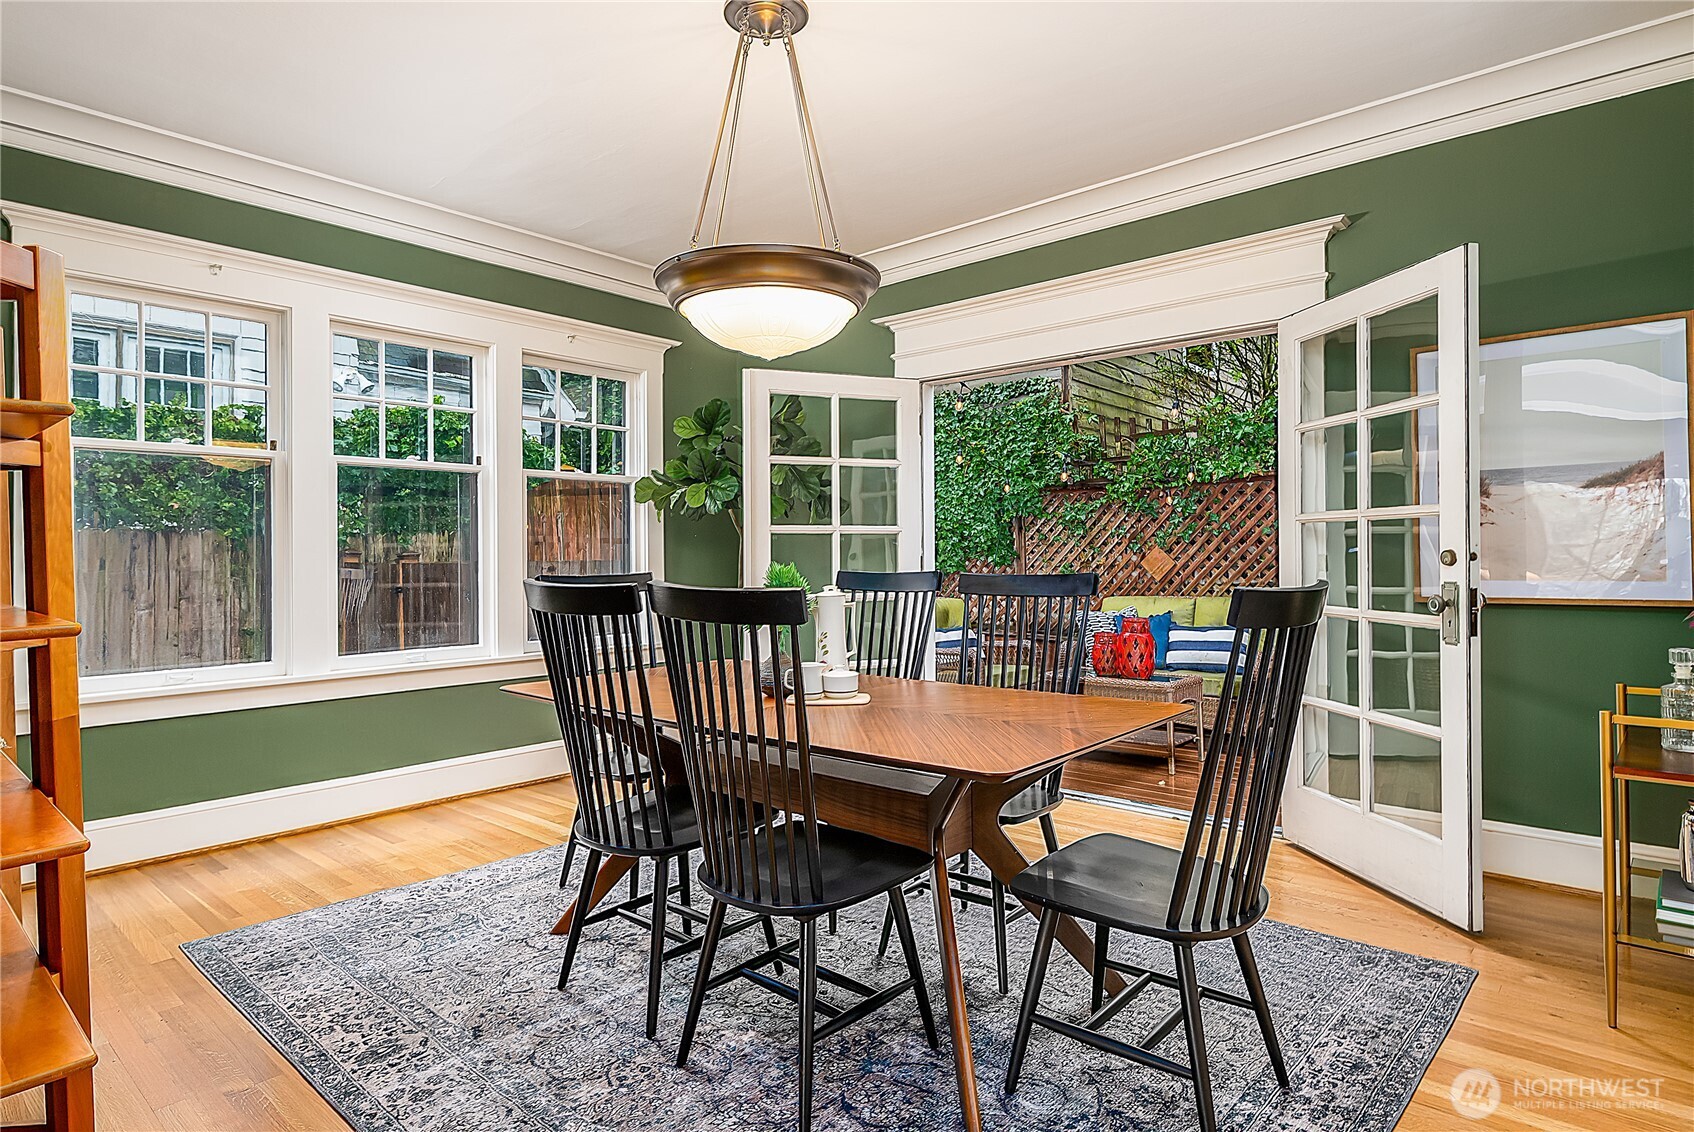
811, 676
840, 683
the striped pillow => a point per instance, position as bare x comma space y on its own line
1202, 650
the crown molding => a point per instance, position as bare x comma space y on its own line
88, 137
1624, 62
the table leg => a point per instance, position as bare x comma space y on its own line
612, 870
954, 976
1170, 746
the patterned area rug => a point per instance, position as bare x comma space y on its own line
433, 1007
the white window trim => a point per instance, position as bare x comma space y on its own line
312, 299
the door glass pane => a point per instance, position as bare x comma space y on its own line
868, 497
811, 554
1406, 671
868, 429
1403, 459
1406, 778
1329, 367
1405, 564
1329, 758
801, 495
1395, 337
1331, 554
799, 425
1335, 662
870, 552
1329, 466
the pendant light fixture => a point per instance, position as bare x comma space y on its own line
769, 300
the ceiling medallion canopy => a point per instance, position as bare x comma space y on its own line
769, 300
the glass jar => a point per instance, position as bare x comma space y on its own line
1676, 701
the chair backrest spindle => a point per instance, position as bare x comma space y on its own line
1027, 630
893, 615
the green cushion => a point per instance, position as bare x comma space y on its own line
1211, 610
1210, 682
949, 612
1147, 605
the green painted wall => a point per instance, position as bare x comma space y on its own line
1581, 216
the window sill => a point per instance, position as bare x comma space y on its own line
103, 708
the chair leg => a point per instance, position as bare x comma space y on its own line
770, 941
1102, 934
808, 1015
997, 893
584, 895
887, 930
832, 924
656, 952
901, 917
570, 855
685, 881
1188, 985
1031, 995
1049, 833
635, 881
702, 975
1261, 1006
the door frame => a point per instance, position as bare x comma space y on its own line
1327, 826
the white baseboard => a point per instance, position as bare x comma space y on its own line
145, 836
1554, 856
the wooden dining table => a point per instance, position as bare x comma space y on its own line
929, 765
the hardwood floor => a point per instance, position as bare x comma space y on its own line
175, 1055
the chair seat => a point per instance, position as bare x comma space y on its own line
1108, 878
684, 826
1030, 803
854, 866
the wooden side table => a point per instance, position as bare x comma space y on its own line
1170, 690
1630, 751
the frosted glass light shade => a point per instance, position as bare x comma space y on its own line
768, 321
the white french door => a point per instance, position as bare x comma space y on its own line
833, 473
1378, 496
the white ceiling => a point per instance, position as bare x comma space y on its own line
591, 122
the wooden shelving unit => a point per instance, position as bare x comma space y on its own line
44, 985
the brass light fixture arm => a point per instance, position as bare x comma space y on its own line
731, 98
809, 150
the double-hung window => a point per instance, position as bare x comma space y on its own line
175, 439
579, 501
405, 436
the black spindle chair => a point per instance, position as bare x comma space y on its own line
763, 849
636, 769
893, 618
1211, 888
591, 640
1022, 631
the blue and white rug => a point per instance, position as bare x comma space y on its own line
433, 1007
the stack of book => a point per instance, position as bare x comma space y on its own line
1674, 909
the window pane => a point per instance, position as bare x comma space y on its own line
356, 426
452, 437
405, 372
870, 552
407, 559
540, 393
800, 494
868, 429
173, 561
404, 432
575, 453
576, 397
452, 380
608, 444
538, 440
813, 555
238, 416
175, 342
105, 405
353, 367
868, 497
238, 350
576, 526
176, 410
611, 401
799, 425
104, 332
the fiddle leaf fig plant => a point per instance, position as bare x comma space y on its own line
704, 477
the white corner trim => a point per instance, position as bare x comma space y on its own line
1610, 66
1249, 282
133, 838
1553, 856
105, 141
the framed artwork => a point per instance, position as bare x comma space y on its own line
1583, 463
